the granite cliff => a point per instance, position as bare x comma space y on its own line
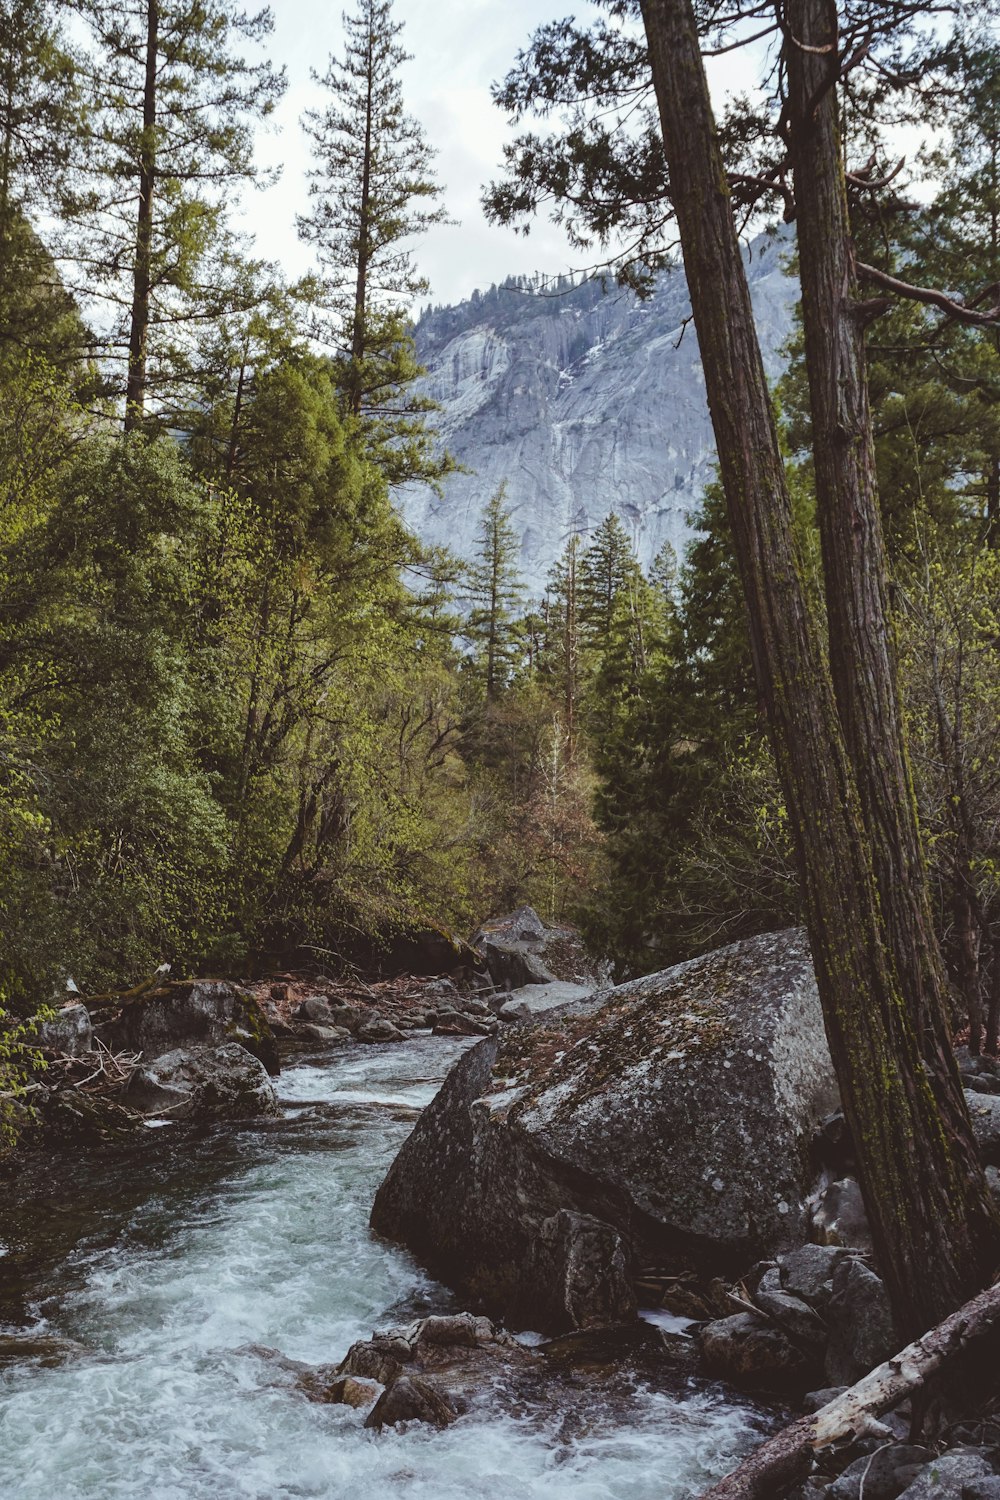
583, 401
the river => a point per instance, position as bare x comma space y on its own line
163, 1265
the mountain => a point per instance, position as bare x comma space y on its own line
584, 401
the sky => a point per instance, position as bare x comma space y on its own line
459, 48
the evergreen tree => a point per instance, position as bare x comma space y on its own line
494, 591
40, 124
170, 136
371, 189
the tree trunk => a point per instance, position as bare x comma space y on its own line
135, 388
861, 635
359, 330
932, 1231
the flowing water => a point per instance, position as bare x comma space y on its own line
163, 1265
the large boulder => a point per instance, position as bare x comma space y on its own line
69, 1031
520, 949
203, 1083
678, 1115
205, 1012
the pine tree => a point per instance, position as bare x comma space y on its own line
40, 125
371, 189
170, 137
495, 590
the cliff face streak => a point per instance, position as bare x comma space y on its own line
584, 403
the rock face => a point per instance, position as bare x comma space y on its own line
206, 1012
204, 1083
677, 1115
582, 403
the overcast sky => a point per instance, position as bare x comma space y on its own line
459, 48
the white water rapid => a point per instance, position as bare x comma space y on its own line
260, 1236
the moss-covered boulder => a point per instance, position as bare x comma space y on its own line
679, 1112
201, 1012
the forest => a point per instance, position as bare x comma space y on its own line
249, 723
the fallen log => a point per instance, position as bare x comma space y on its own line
787, 1457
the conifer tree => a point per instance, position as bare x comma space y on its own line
371, 189
495, 591
170, 138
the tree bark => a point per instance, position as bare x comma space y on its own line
855, 567
135, 388
934, 1245
787, 1457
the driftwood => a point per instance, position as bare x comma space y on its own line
118, 999
787, 1457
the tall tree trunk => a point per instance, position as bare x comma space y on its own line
359, 330
855, 567
934, 1231
135, 388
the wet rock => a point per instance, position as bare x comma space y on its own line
454, 1023
457, 1330
882, 1475
983, 1489
984, 1111
37, 1349
67, 1117
207, 1012
860, 1323
580, 1265
949, 1477
203, 1083
679, 1113
839, 1217
323, 1036
379, 1030
70, 1031
411, 1399
379, 1358
346, 1390
751, 1351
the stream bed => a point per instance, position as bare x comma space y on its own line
162, 1265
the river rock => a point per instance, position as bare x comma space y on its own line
69, 1031
379, 1030
544, 1002
792, 1314
882, 1475
520, 949
323, 1036
203, 1083
207, 1012
808, 1272
455, 1023
984, 1110
679, 1114
839, 1217
949, 1477
860, 1323
411, 1399
749, 1350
